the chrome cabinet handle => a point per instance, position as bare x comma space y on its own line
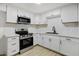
14, 44
60, 42
13, 38
68, 39
50, 40
14, 51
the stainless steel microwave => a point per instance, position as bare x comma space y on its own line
23, 20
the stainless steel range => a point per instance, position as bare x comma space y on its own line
26, 39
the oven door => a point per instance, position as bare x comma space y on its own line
24, 43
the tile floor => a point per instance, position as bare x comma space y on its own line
39, 51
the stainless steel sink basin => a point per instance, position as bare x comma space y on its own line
51, 33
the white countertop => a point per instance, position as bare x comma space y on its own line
12, 35
69, 36
62, 35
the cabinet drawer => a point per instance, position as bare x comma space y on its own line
12, 39
12, 51
13, 44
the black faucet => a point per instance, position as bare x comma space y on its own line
54, 30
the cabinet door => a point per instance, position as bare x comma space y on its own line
47, 41
33, 21
55, 41
78, 12
35, 39
69, 46
40, 39
2, 7
42, 19
69, 13
20, 12
37, 19
11, 14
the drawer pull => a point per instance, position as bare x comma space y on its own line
50, 40
68, 39
13, 38
13, 51
14, 44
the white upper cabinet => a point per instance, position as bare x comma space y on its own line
23, 13
69, 46
11, 14
26, 14
35, 37
78, 12
3, 7
42, 20
69, 13
20, 12
53, 14
38, 19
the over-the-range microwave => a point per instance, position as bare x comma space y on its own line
23, 20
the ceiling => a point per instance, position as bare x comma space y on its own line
38, 8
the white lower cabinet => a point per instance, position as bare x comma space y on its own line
69, 46
51, 42
65, 45
40, 41
12, 45
46, 41
35, 39
54, 42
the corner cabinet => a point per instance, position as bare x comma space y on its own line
11, 14
69, 46
69, 13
